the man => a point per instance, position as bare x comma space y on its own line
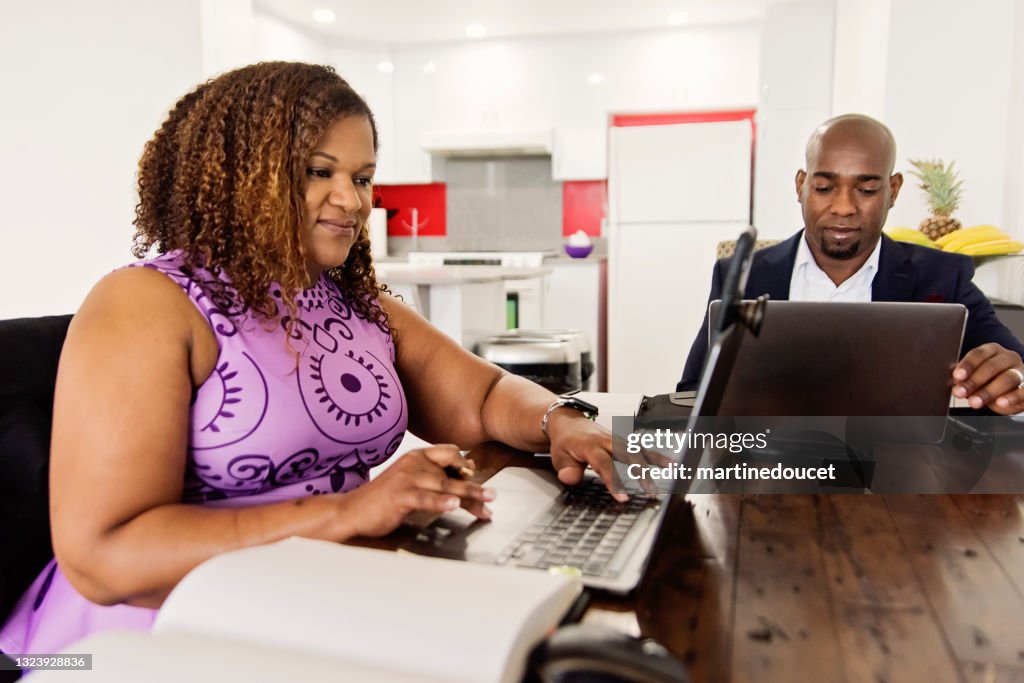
842, 255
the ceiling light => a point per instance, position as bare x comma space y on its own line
385, 67
476, 31
323, 16
429, 68
678, 18
595, 79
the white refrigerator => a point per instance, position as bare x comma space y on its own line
674, 192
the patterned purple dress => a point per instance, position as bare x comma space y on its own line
267, 425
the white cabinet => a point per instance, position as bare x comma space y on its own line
581, 153
574, 298
567, 84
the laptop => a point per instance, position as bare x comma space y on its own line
842, 358
539, 523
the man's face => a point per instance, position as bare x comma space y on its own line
846, 194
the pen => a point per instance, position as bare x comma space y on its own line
454, 472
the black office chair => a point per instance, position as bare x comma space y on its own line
29, 351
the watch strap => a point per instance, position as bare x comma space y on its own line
588, 410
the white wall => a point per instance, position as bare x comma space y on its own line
796, 92
861, 54
1013, 187
277, 39
228, 35
949, 89
84, 86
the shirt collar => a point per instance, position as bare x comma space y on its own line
805, 260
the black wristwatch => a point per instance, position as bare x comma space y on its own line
589, 410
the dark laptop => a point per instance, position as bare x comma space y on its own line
832, 358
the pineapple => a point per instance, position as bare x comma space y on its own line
944, 191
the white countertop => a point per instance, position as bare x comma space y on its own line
406, 273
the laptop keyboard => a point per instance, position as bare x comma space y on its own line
583, 528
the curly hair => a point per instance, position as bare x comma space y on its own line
223, 181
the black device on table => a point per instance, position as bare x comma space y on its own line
588, 653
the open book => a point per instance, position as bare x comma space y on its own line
314, 610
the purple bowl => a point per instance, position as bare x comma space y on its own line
578, 252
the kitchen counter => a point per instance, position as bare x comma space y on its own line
465, 302
409, 274
563, 259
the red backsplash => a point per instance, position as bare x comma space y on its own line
430, 201
584, 204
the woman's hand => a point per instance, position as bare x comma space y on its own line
577, 442
416, 482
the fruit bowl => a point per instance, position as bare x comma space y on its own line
579, 252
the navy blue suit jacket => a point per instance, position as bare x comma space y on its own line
906, 272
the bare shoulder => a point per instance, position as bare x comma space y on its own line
139, 312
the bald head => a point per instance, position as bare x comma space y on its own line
846, 192
853, 130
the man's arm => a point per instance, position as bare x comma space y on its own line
990, 370
983, 326
695, 361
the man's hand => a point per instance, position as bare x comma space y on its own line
990, 375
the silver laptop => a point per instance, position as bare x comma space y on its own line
539, 523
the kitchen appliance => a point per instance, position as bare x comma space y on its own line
524, 297
577, 338
550, 362
674, 192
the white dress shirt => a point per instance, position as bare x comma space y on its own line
810, 283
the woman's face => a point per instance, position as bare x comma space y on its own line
339, 180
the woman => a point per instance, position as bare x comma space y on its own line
236, 388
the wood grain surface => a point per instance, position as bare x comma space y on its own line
810, 587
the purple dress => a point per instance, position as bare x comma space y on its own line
277, 419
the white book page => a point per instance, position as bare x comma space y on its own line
433, 617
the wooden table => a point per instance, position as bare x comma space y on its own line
830, 587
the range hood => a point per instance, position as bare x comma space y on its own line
479, 143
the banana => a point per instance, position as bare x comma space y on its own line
912, 235
979, 233
992, 248
947, 238
967, 236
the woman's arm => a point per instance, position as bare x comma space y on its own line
134, 351
457, 397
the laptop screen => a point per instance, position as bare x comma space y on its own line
832, 358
